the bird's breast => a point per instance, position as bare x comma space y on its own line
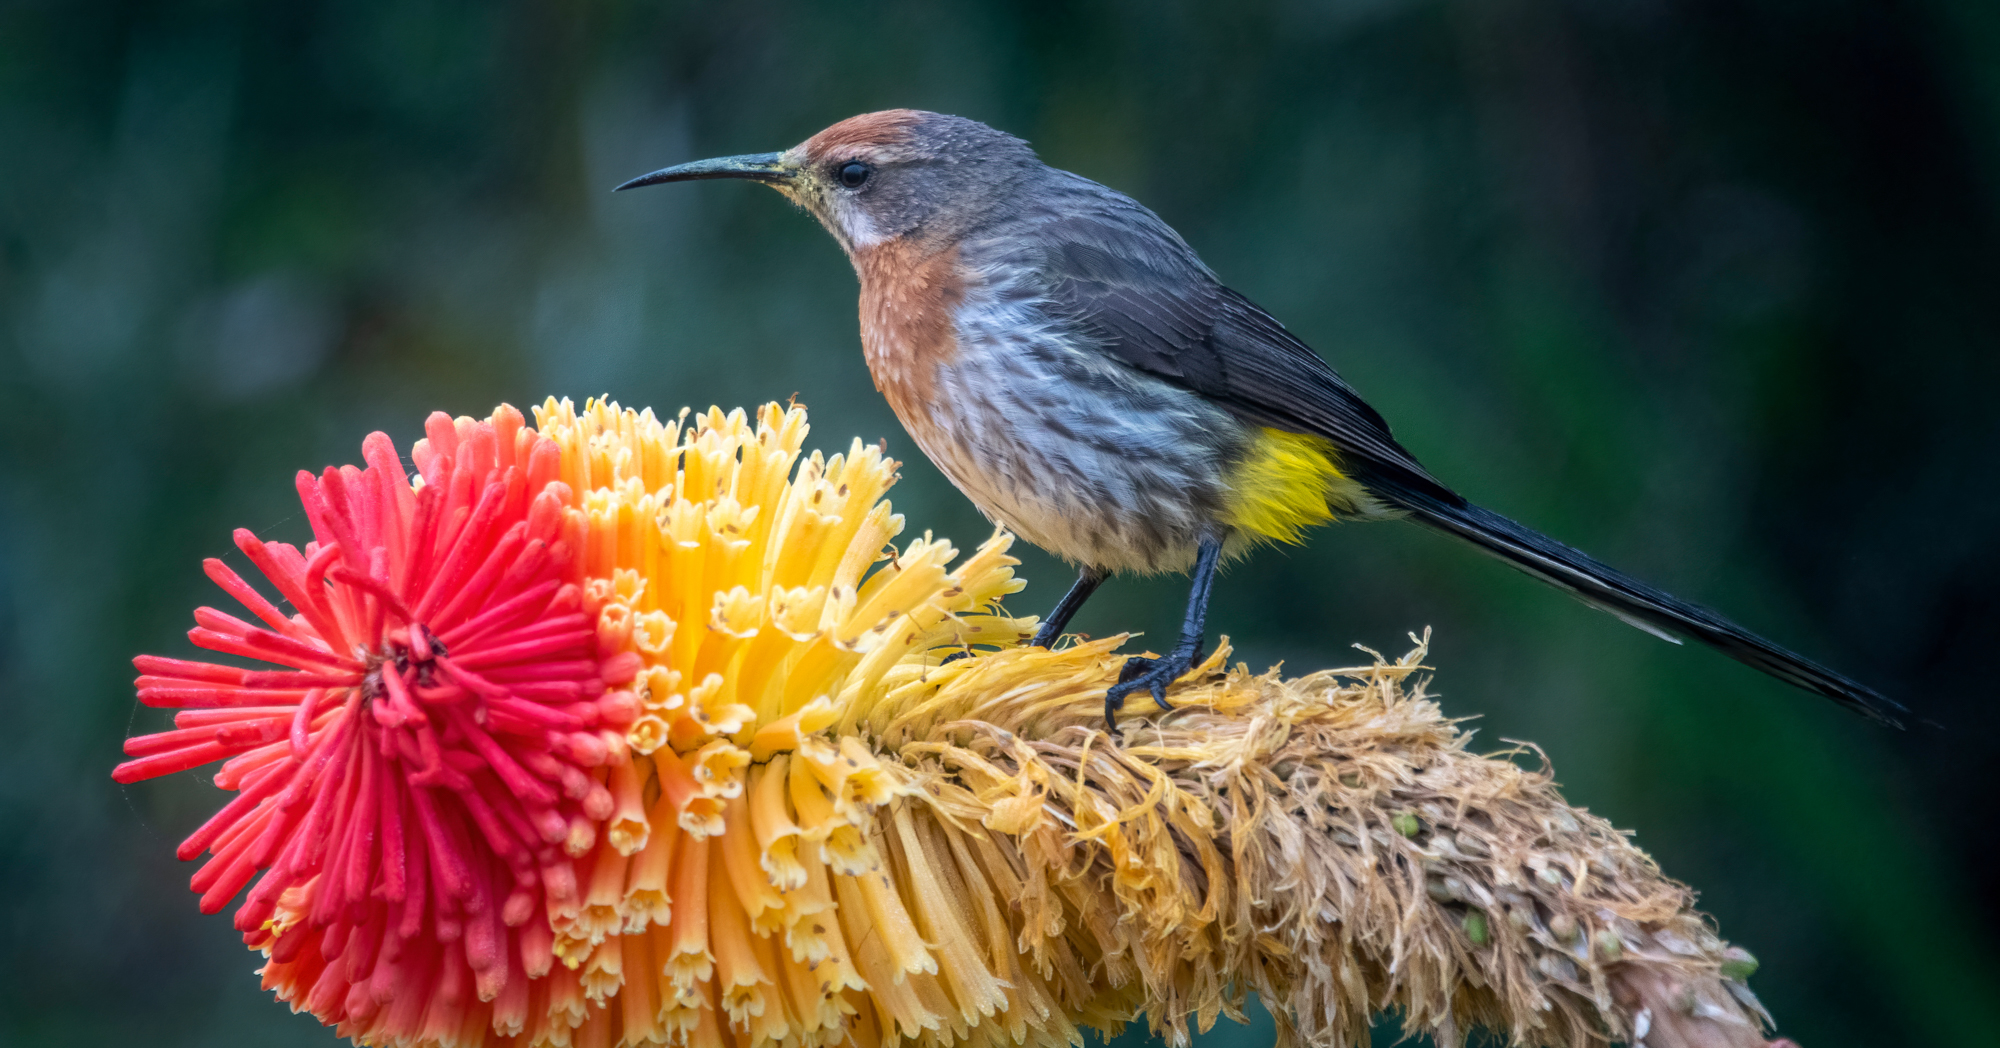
1047, 435
910, 295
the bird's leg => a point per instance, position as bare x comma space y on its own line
1155, 674
1087, 581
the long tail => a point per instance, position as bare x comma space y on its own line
1652, 610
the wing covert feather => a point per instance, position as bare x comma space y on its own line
1135, 288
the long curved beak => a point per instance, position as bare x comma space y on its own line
769, 168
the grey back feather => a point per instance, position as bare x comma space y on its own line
1130, 285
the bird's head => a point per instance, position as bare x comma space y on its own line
879, 177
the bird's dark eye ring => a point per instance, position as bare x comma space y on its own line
853, 173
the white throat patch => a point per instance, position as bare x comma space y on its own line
857, 227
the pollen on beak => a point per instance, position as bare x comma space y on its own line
769, 168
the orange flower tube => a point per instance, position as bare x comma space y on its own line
408, 780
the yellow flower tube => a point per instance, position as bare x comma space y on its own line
758, 589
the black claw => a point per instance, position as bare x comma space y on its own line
1141, 672
964, 653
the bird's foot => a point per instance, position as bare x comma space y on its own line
1047, 636
1151, 675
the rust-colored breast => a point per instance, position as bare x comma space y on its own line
908, 299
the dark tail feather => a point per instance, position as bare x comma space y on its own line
1656, 612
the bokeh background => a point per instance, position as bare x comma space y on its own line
1710, 289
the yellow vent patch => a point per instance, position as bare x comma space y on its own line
1287, 483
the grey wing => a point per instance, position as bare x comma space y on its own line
1133, 286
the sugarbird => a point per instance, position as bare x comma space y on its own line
1069, 362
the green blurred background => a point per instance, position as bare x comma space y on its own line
1710, 289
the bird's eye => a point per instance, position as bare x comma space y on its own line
853, 173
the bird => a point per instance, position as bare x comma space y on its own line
1074, 368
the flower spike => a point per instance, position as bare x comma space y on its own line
622, 732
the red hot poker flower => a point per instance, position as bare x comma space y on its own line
419, 777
